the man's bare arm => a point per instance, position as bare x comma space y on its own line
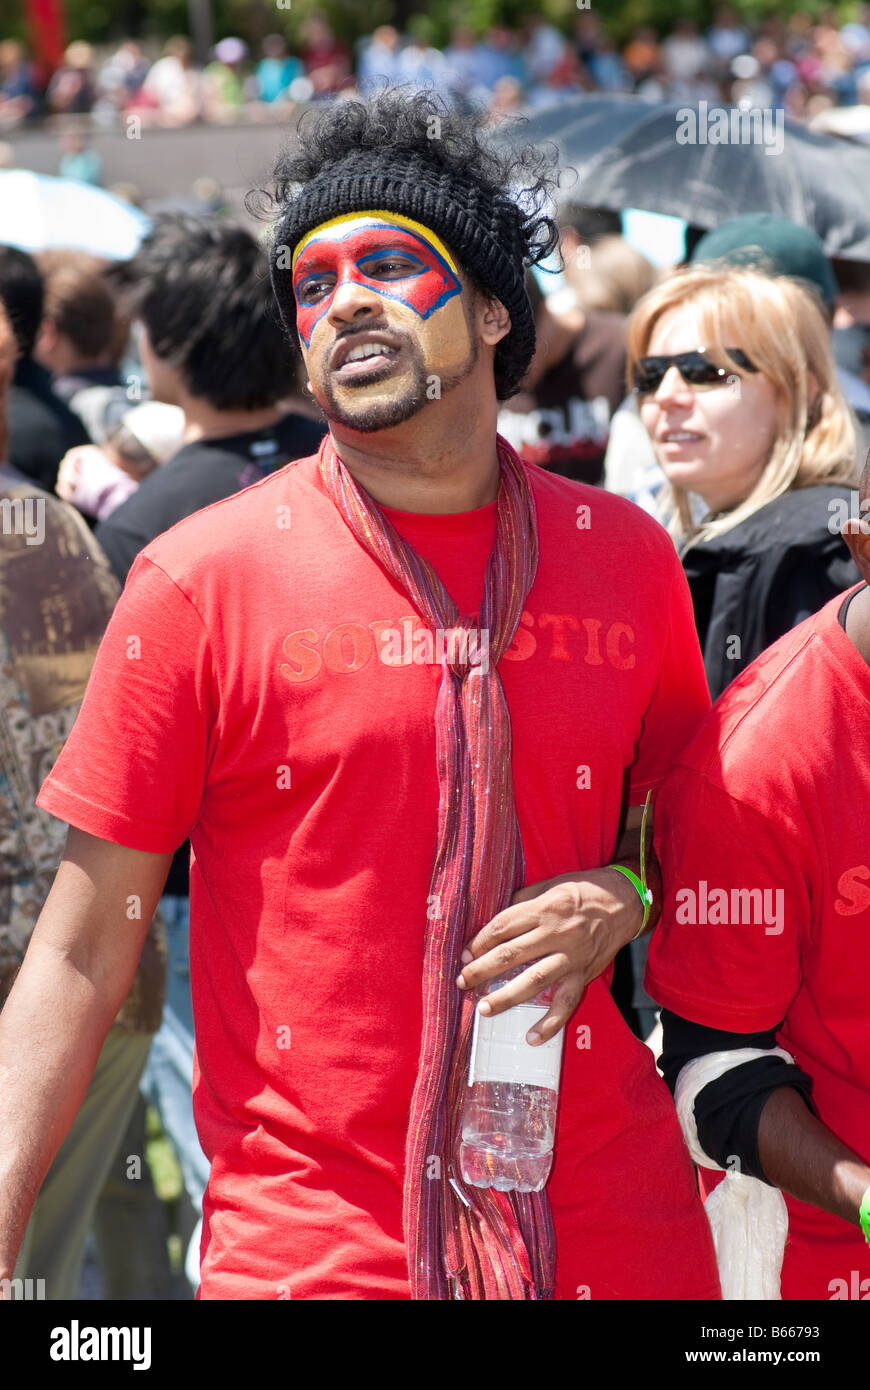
76, 974
801, 1155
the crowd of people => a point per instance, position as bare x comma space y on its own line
803, 64
700, 431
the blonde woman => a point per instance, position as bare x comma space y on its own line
737, 389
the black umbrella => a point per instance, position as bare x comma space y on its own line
707, 164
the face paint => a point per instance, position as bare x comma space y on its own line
336, 253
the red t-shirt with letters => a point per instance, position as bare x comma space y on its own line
762, 834
257, 691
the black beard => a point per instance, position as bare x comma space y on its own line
386, 414
369, 419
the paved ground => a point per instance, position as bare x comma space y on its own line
165, 163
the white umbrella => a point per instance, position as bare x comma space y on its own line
38, 211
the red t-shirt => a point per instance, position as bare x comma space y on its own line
241, 697
771, 797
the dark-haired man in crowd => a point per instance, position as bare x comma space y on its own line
210, 340
41, 426
379, 830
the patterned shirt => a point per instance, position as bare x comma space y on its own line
56, 596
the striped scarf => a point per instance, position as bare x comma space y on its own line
462, 1241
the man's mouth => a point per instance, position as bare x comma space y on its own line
364, 355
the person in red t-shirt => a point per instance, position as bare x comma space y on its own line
382, 816
764, 942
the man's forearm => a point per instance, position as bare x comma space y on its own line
51, 1031
628, 854
800, 1154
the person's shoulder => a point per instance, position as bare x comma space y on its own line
612, 522
201, 474
807, 515
229, 530
761, 728
297, 431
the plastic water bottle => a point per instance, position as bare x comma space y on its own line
509, 1114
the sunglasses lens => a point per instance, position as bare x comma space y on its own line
694, 367
648, 375
698, 370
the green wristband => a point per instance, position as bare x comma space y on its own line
646, 896
864, 1215
640, 884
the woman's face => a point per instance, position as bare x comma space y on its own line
714, 440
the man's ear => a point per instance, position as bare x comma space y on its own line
493, 319
46, 337
856, 534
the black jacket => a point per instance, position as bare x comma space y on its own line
41, 426
759, 580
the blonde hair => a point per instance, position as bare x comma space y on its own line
782, 329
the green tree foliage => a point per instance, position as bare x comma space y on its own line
432, 20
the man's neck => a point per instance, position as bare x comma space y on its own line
858, 622
65, 362
203, 421
430, 464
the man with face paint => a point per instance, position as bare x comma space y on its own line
381, 381
407, 697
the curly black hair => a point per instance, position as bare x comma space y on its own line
405, 122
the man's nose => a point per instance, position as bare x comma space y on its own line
352, 299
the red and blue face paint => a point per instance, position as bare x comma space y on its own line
335, 253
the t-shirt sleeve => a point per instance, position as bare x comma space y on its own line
726, 952
680, 697
134, 766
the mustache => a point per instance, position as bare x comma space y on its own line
354, 329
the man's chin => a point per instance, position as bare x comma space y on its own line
378, 415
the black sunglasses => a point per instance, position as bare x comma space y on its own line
696, 369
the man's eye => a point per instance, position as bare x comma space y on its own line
313, 290
389, 269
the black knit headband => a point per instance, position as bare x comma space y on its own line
483, 230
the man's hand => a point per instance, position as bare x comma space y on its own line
571, 927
